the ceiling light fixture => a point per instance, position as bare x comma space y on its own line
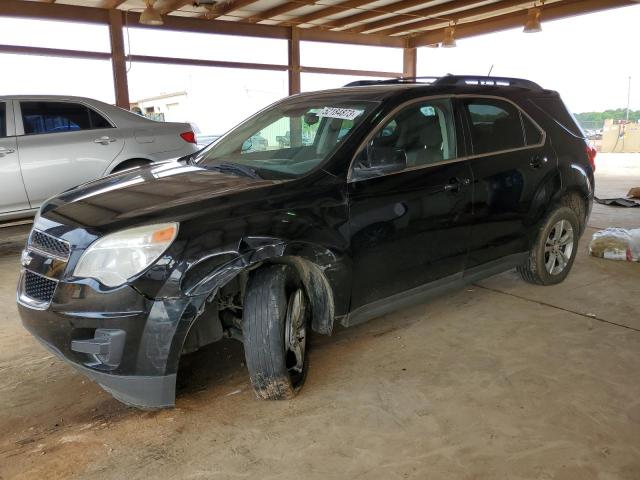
151, 16
449, 40
532, 25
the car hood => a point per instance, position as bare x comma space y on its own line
162, 191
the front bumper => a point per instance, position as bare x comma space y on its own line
128, 344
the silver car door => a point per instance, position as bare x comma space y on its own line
13, 197
63, 144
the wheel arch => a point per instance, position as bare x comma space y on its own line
116, 166
322, 272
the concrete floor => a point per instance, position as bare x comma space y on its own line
500, 380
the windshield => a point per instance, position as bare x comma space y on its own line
288, 139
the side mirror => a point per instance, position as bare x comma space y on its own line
246, 145
386, 159
376, 161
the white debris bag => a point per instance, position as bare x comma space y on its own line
616, 244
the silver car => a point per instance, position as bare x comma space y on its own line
49, 144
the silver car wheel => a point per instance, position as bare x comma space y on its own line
296, 332
558, 247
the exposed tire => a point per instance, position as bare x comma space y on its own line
274, 325
130, 164
577, 204
554, 250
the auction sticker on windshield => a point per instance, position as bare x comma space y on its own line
342, 113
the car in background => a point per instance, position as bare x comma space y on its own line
204, 140
49, 144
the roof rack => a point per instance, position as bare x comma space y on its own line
392, 81
453, 80
490, 81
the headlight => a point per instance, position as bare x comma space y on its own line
117, 257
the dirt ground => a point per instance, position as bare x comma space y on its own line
499, 380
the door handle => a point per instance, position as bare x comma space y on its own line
6, 151
537, 162
456, 184
104, 140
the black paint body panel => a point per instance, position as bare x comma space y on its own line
362, 243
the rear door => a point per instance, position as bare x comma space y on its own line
13, 197
510, 163
62, 145
409, 226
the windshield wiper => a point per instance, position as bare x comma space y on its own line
235, 168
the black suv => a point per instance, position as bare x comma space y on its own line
386, 193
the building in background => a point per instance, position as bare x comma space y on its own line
169, 107
620, 136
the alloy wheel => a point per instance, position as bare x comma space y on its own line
558, 247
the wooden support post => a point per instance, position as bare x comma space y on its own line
409, 62
118, 59
294, 61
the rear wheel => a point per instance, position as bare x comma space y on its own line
554, 251
275, 318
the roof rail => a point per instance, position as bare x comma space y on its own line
392, 81
489, 81
453, 80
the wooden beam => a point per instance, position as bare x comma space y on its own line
192, 62
421, 14
23, 9
325, 12
279, 10
409, 62
354, 73
109, 4
54, 52
226, 7
492, 10
318, 35
294, 62
172, 5
553, 11
53, 11
118, 61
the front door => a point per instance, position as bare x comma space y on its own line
64, 144
511, 164
409, 204
13, 197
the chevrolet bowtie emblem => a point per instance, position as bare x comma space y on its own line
26, 258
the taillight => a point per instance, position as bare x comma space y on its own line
188, 137
591, 156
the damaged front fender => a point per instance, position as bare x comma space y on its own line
324, 274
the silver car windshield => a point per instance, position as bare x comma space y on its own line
288, 139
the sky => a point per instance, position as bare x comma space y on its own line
587, 58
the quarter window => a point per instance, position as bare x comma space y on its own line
495, 126
421, 134
3, 120
57, 117
532, 134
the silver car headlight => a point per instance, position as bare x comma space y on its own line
117, 257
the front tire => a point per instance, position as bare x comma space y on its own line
554, 250
275, 329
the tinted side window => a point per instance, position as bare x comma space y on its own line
495, 125
98, 121
56, 117
533, 135
3, 120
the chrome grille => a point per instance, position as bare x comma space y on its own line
49, 245
38, 287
